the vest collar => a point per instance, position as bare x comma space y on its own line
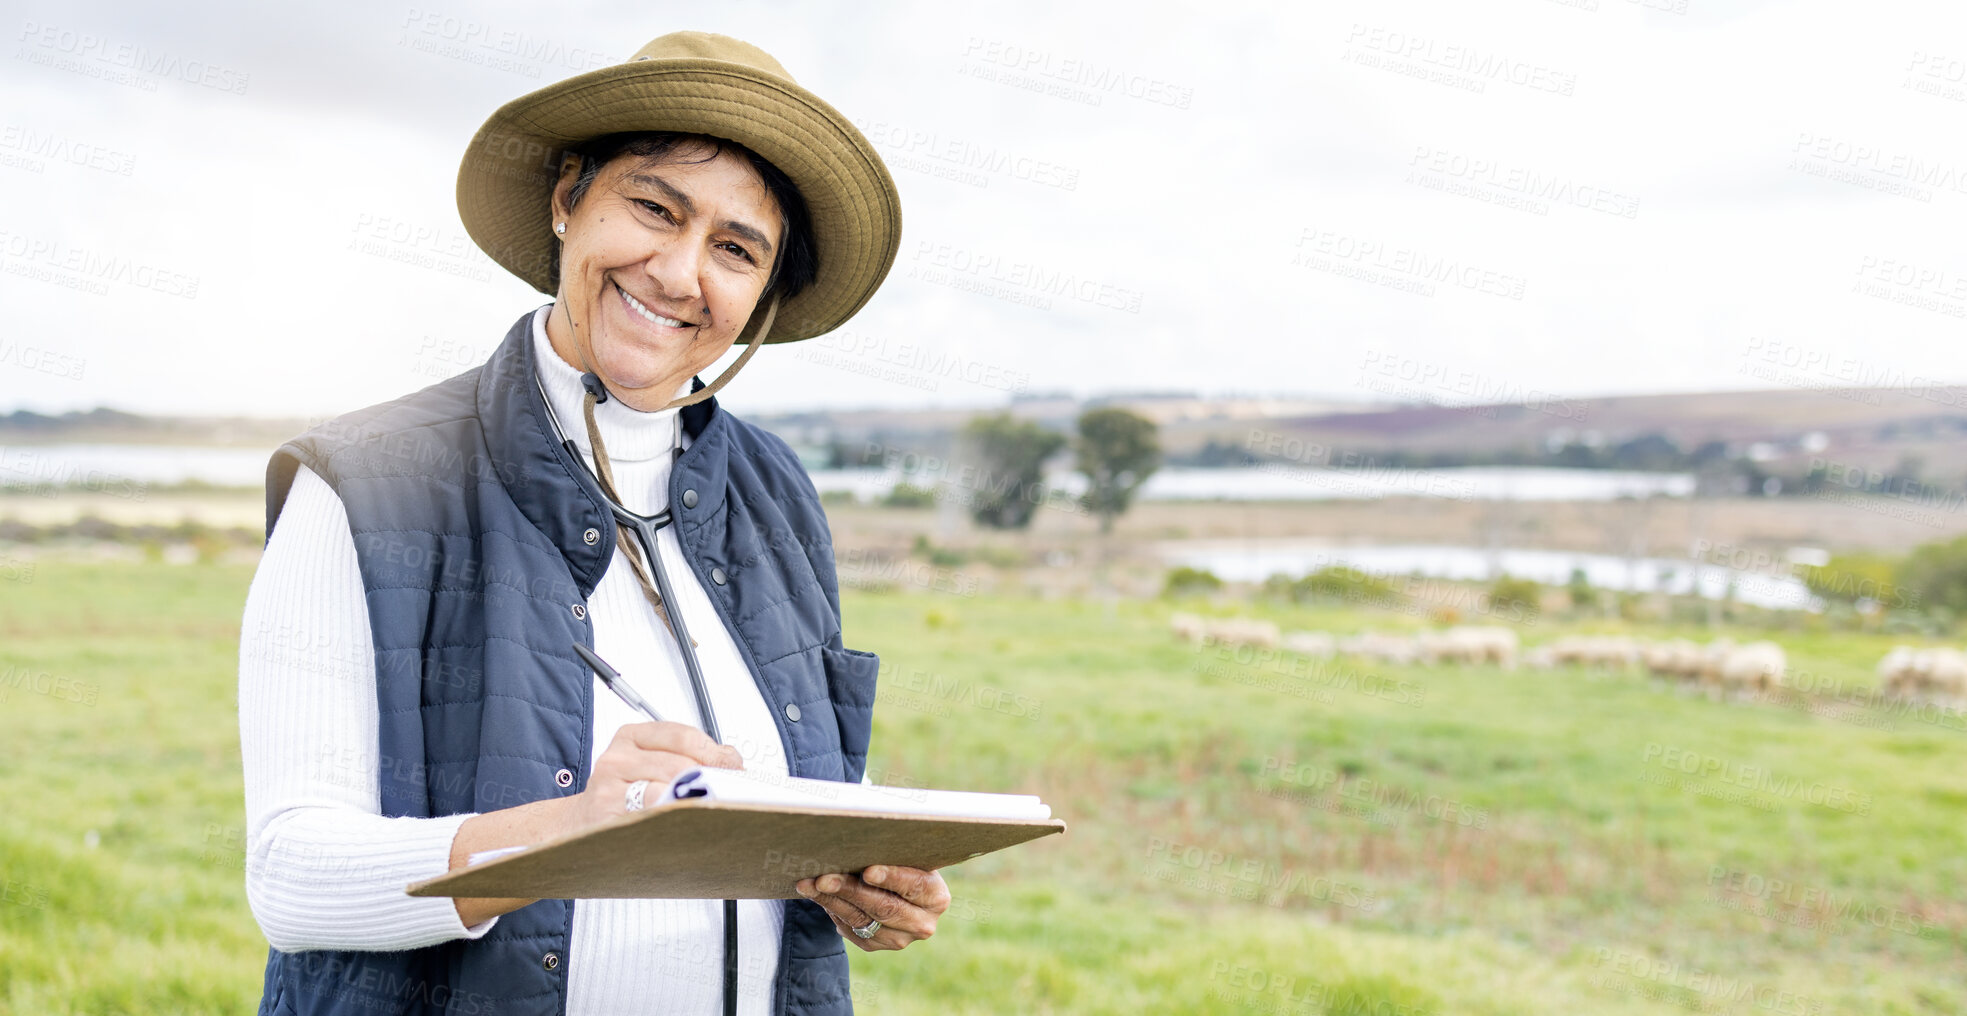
632, 435
549, 484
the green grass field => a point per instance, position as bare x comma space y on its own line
1247, 836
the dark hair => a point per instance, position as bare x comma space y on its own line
798, 261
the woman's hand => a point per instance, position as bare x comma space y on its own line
907, 902
640, 751
653, 751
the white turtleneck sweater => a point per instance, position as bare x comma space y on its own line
324, 868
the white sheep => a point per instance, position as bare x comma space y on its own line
1946, 673
1385, 648
1713, 656
1188, 627
1467, 644
1755, 667
1315, 644
1490, 643
1672, 658
1924, 673
1241, 631
1899, 672
1604, 651
1433, 647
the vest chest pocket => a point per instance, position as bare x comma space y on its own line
850, 681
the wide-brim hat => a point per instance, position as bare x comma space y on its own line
699, 83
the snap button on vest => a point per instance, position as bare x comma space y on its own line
550, 961
717, 575
792, 711
580, 612
690, 498
564, 777
591, 537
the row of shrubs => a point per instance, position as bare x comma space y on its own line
1338, 584
1930, 577
91, 527
954, 557
902, 495
1513, 598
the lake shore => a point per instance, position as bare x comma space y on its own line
1663, 527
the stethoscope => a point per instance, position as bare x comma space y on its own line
645, 528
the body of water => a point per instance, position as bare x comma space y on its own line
98, 465
125, 469
1253, 561
1299, 483
115, 466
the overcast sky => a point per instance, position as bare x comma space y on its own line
249, 208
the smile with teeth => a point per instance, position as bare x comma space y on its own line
653, 317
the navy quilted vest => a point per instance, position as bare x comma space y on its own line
468, 518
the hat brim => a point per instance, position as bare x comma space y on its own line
507, 175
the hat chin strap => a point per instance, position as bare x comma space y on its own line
764, 329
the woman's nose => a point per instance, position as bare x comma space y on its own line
676, 268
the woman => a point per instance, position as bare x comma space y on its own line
408, 692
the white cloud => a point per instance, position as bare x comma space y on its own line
1260, 131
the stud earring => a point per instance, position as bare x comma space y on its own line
560, 227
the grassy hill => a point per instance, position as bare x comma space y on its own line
1248, 834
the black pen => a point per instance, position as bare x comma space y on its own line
614, 681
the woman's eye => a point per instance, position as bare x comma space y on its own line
652, 206
741, 252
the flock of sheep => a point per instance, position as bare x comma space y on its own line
1461, 644
1926, 674
1721, 666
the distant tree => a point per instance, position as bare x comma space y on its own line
1584, 596
1117, 451
1935, 575
1650, 451
1517, 599
1849, 578
908, 495
1215, 454
1008, 482
1186, 581
1335, 584
1711, 451
1907, 473
1575, 455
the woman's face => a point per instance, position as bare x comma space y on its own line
660, 268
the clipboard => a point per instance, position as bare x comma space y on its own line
715, 850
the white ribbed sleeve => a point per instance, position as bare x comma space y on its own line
324, 868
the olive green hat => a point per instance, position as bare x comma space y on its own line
699, 83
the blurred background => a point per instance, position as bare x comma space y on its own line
1462, 507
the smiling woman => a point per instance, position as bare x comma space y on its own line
451, 549
701, 230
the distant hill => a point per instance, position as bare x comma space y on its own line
1784, 431
110, 426
1873, 428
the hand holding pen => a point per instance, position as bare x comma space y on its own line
651, 753
883, 907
